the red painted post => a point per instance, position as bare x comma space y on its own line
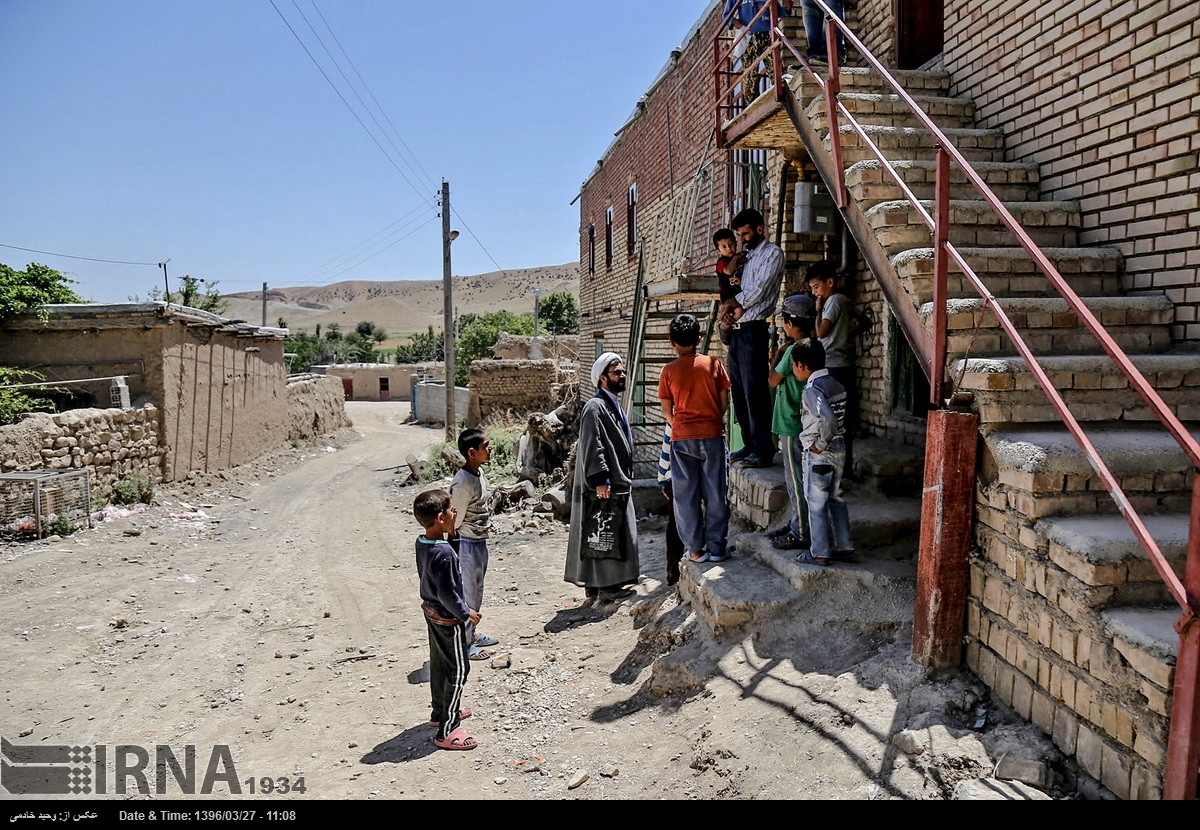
941, 266
1183, 742
947, 506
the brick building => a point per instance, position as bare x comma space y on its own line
1084, 119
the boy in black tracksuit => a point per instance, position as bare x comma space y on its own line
446, 613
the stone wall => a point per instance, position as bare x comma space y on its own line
1105, 97
316, 406
519, 386
112, 442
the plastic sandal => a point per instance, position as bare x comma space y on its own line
480, 654
484, 640
458, 739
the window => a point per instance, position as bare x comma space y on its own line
591, 232
631, 220
608, 237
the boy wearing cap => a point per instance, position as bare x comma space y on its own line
798, 315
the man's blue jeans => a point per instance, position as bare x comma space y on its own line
699, 474
829, 519
814, 29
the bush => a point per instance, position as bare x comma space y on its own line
13, 402
134, 488
61, 525
502, 466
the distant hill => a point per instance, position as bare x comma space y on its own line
401, 306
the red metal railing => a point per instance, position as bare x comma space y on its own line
726, 79
1183, 749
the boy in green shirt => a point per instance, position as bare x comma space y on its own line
798, 315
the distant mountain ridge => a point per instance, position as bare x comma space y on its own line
401, 306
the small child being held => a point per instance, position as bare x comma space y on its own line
729, 274
470, 493
446, 614
823, 415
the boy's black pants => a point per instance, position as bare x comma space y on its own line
448, 670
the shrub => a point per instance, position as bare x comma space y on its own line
61, 525
134, 488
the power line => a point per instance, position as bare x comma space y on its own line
333, 86
72, 256
367, 87
352, 250
332, 277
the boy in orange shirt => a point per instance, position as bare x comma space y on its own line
694, 393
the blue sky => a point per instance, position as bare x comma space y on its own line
200, 131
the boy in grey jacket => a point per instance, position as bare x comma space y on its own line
823, 424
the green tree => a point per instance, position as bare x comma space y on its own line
366, 328
479, 333
425, 346
31, 290
195, 293
559, 313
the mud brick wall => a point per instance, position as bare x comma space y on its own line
1105, 96
112, 442
517, 385
316, 406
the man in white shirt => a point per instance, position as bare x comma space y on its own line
749, 343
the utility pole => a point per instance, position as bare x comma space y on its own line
264, 322
537, 302
448, 236
166, 285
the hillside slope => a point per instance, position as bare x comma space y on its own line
402, 306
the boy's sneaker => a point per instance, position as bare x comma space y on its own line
789, 542
738, 455
777, 532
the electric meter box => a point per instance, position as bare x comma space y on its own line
815, 211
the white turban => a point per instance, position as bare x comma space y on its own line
602, 363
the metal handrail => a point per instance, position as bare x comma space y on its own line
726, 59
1184, 742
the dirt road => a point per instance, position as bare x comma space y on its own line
273, 610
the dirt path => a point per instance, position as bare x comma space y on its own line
285, 623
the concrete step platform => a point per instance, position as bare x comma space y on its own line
1011, 272
865, 80
1039, 470
1049, 327
899, 226
908, 143
869, 183
729, 595
1006, 392
891, 111
1102, 550
1146, 639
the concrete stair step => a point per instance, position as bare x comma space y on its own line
869, 184
1095, 390
1102, 551
1048, 326
898, 226
1039, 470
1146, 639
908, 143
731, 594
1011, 272
891, 111
864, 80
